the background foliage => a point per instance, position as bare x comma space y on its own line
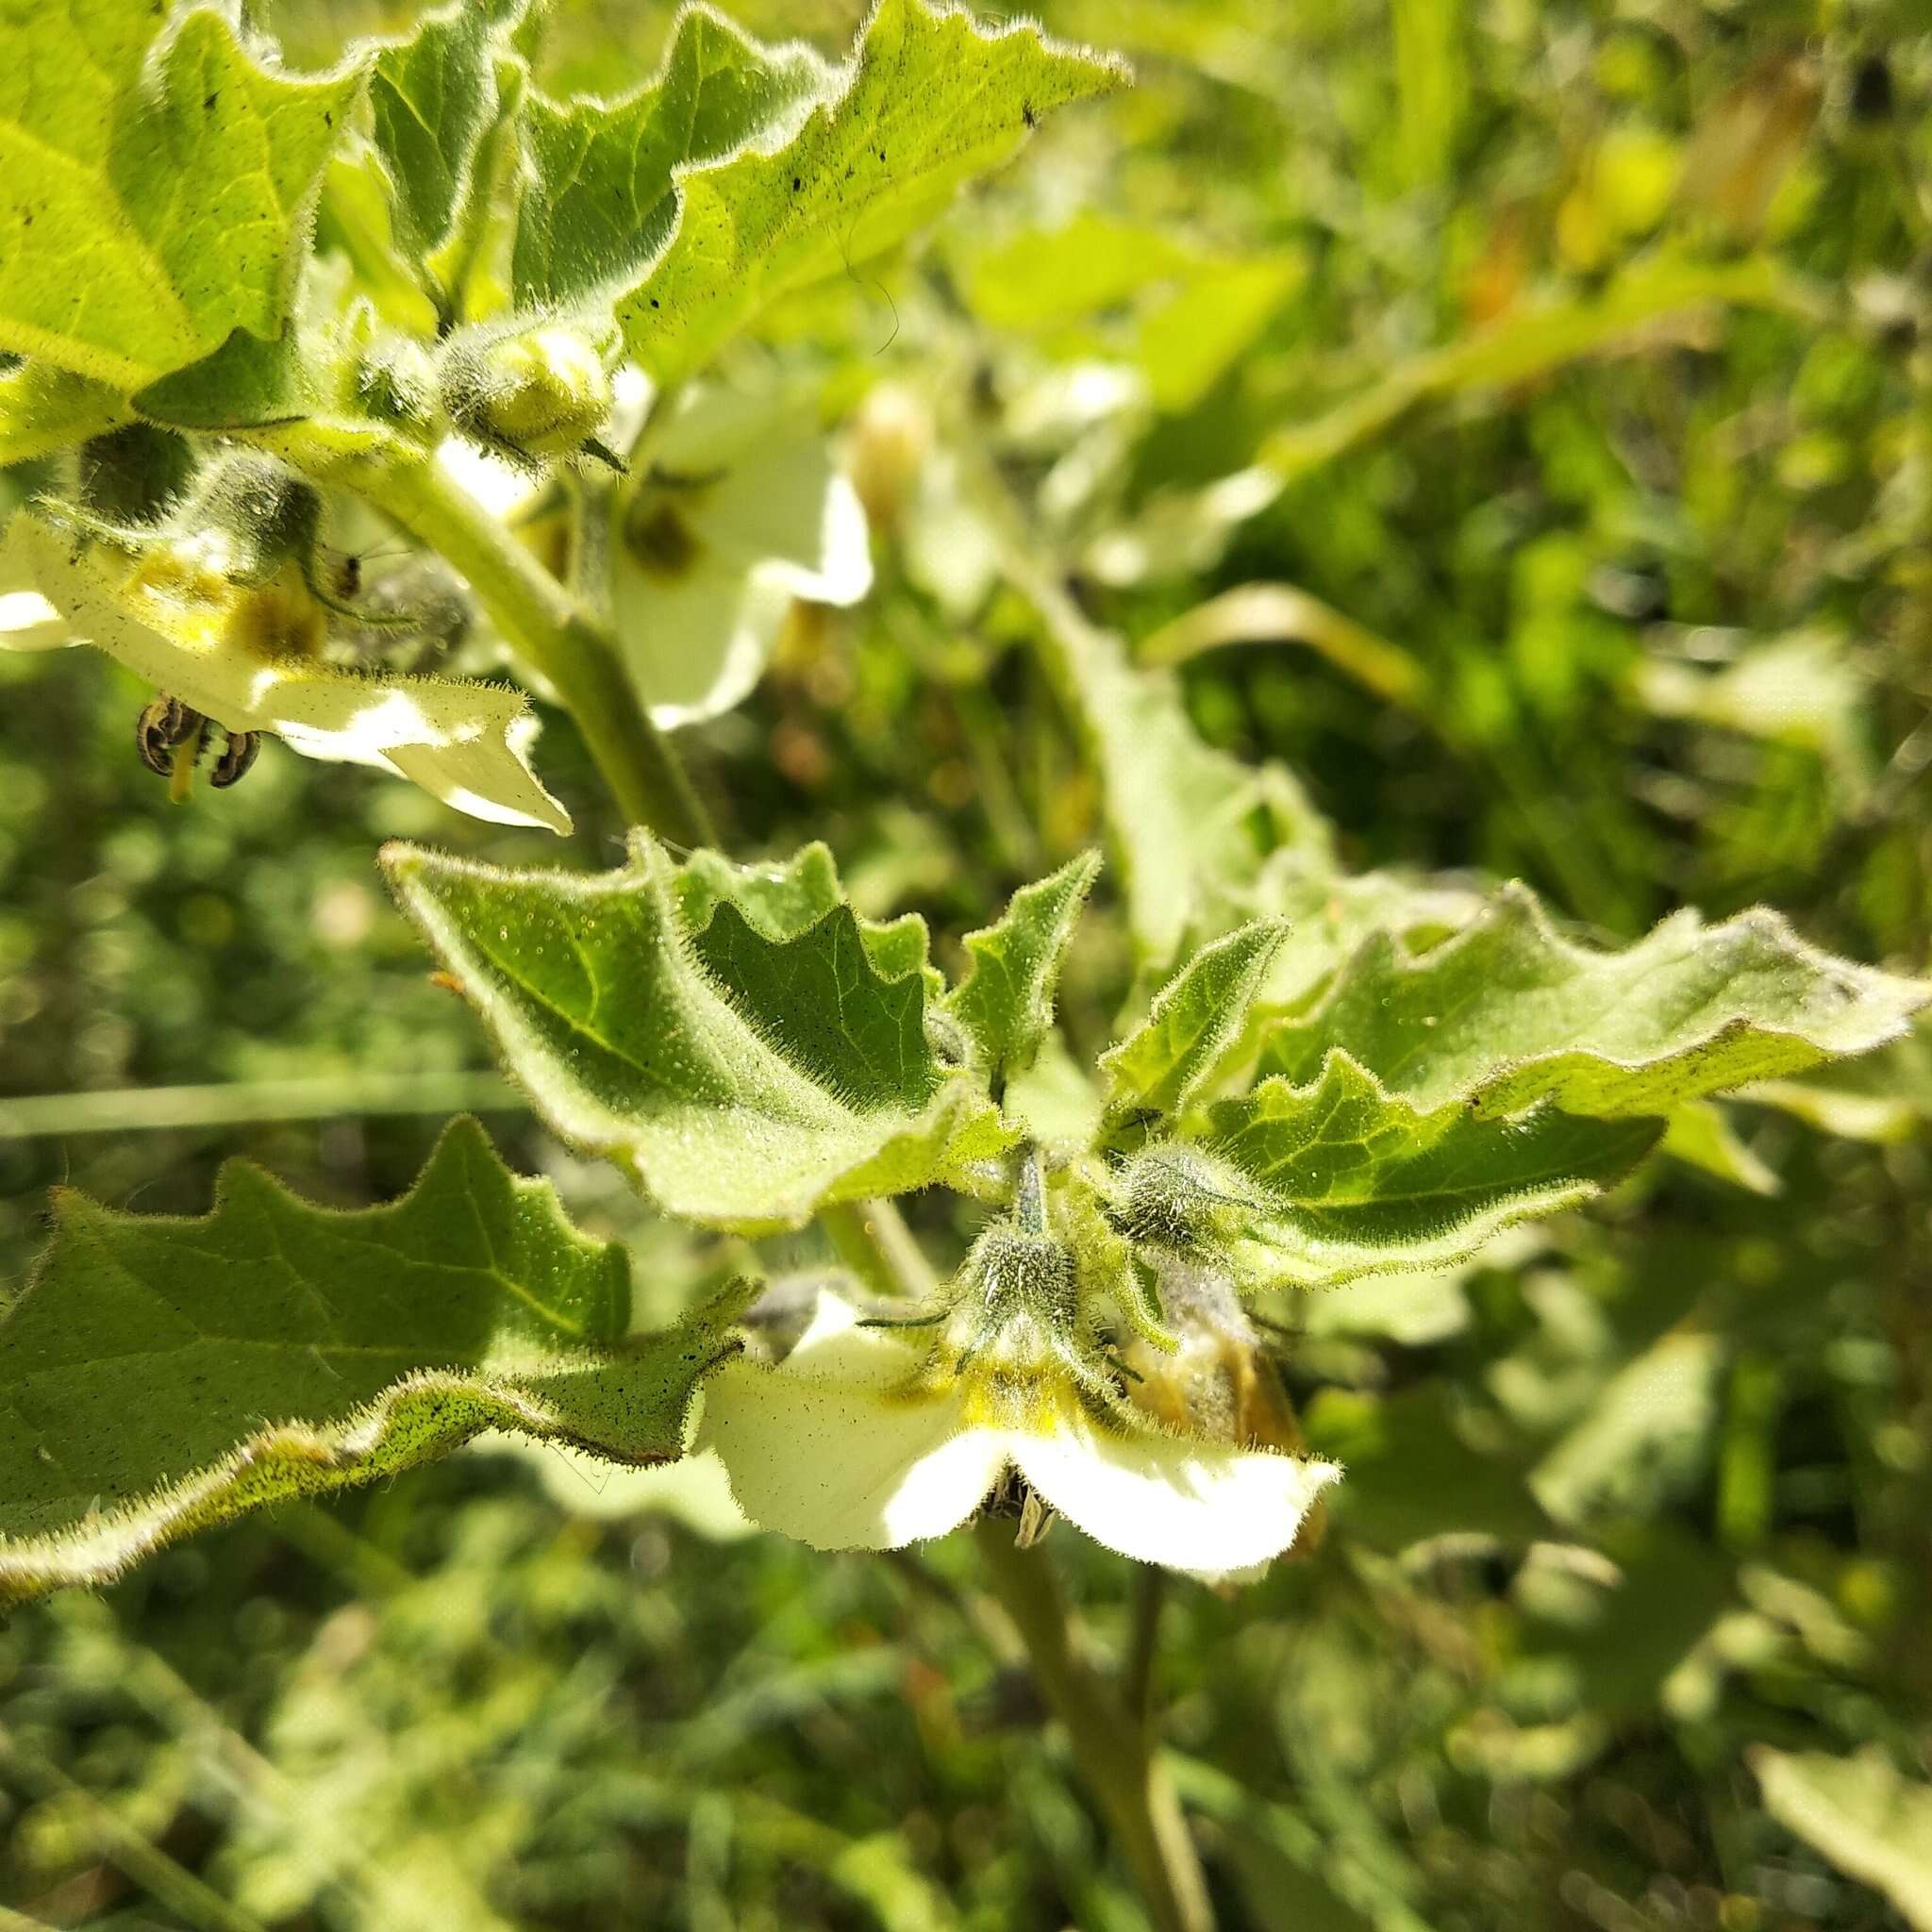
1624, 1508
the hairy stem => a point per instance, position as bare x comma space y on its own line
558, 640
1111, 1747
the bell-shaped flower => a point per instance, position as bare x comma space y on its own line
858, 1440
246, 654
733, 508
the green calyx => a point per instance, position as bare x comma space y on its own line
1179, 1200
542, 394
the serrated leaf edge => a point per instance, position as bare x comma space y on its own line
313, 1460
954, 1093
1515, 899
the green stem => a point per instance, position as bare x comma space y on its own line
1112, 1745
1143, 1641
1111, 1748
122, 1845
871, 1238
558, 640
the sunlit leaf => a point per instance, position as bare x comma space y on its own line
158, 183
1193, 1019
742, 1077
931, 101
1006, 1001
1347, 1180
161, 1375
1506, 1013
44, 407
1862, 1815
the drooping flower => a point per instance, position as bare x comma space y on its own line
861, 1440
733, 508
247, 655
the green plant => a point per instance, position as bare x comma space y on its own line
1314, 1075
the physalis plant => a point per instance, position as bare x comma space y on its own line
263, 324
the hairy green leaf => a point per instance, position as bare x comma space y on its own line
1194, 1017
601, 189
153, 184
1006, 1001
1348, 1180
432, 99
784, 900
160, 1376
931, 101
247, 382
1859, 1813
1506, 1013
743, 1072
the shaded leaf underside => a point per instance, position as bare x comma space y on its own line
600, 198
161, 1375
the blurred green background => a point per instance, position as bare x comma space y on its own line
1643, 615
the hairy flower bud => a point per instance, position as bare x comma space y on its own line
1179, 1200
540, 393
1015, 1277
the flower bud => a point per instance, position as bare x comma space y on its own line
540, 393
891, 436
1016, 1277
1218, 1383
1178, 1199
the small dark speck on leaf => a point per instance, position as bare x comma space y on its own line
209, 100
654, 301
796, 184
1028, 115
328, 120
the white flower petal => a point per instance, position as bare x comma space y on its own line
750, 479
820, 1449
29, 622
694, 646
467, 743
1172, 1499
499, 484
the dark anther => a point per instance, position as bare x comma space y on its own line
238, 753
164, 724
1871, 91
